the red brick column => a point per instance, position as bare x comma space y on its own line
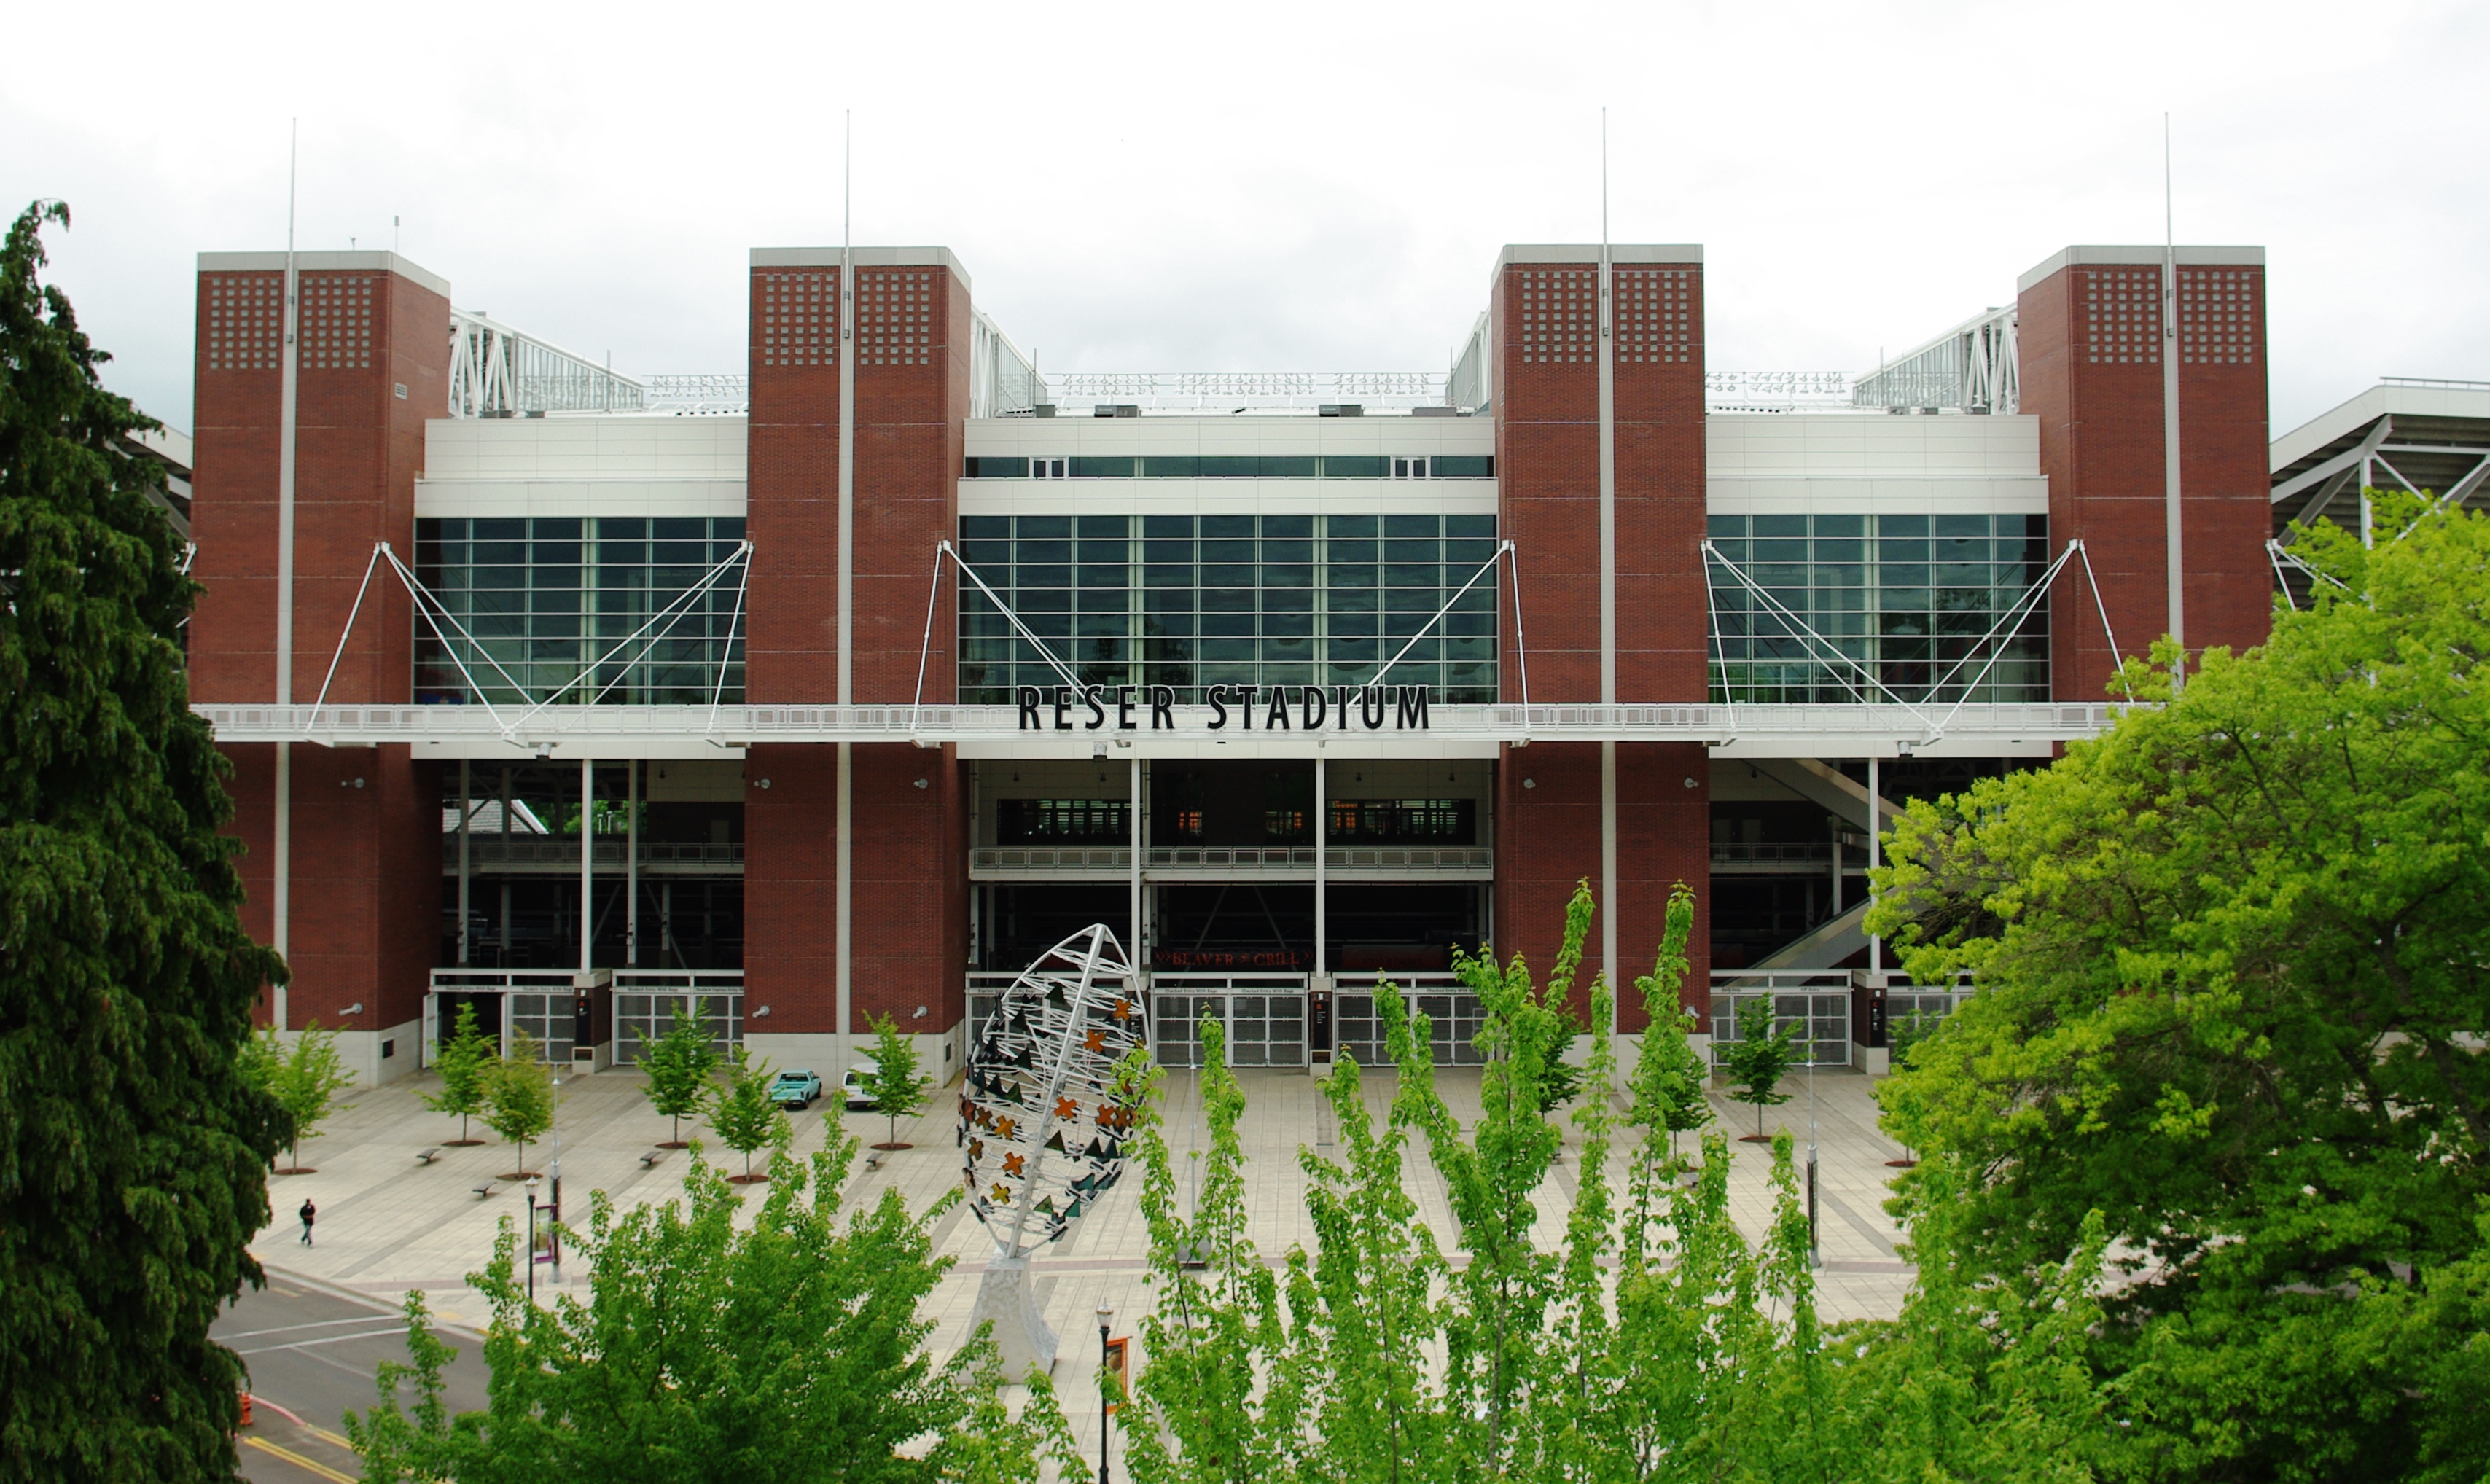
2091, 348
909, 866
374, 356
1543, 317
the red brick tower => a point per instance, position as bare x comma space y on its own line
372, 363
2092, 346
908, 840
1546, 327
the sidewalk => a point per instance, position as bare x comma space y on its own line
388, 1224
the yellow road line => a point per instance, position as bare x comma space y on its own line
298, 1461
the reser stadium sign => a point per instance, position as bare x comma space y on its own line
1281, 708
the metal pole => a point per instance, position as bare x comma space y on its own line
281, 854
587, 863
553, 1235
1833, 824
846, 890
1322, 874
1607, 371
2170, 502
466, 815
1815, 1244
1106, 1380
529, 1187
505, 944
630, 872
1875, 859
1134, 934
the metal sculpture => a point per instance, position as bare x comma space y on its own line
1044, 1114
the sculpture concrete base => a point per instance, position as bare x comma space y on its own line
1007, 1296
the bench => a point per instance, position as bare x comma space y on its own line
427, 1156
484, 1188
650, 1159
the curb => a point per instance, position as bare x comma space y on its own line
352, 1295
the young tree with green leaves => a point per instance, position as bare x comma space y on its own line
744, 1116
1900, 1036
895, 1084
1758, 1059
465, 1062
790, 1346
304, 1074
519, 1097
2229, 995
1670, 1076
133, 1154
682, 1066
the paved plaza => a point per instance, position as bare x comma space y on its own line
387, 1223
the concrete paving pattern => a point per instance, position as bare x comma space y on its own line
389, 1222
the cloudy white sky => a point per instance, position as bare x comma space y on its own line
1279, 187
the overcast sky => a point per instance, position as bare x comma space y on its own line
1278, 186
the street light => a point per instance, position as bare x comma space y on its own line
530, 1183
1106, 1408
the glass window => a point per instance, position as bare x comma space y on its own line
1119, 468
1171, 466
989, 468
1287, 467
1463, 466
1355, 466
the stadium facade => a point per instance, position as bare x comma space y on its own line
839, 688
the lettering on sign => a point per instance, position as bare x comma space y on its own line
1276, 708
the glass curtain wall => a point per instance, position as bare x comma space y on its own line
544, 597
1904, 600
1192, 601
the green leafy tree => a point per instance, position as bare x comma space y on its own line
1759, 1059
519, 1097
465, 1062
744, 1116
304, 1074
789, 1347
1670, 1076
895, 1084
682, 1066
1900, 1036
2231, 993
1647, 1340
133, 1153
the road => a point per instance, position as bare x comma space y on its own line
313, 1354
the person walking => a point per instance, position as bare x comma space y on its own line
308, 1211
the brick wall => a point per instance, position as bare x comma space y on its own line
1543, 316
2091, 371
363, 927
909, 855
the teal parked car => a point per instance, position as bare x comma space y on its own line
795, 1089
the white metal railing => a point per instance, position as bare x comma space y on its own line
701, 394
931, 725
1772, 852
1775, 390
1817, 1000
1464, 861
1454, 1015
1261, 1016
1253, 391
646, 1002
486, 849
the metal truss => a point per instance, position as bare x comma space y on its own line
1971, 367
700, 394
496, 372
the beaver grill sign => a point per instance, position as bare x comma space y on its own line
1043, 1120
1245, 708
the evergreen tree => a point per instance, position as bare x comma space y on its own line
304, 1077
744, 1116
519, 1097
134, 1154
465, 1062
895, 1086
1758, 1059
682, 1066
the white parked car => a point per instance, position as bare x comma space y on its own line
852, 1084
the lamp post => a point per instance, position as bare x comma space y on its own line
530, 1183
1106, 1407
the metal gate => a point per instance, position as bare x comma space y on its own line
647, 1001
1453, 1012
1817, 1000
1262, 1017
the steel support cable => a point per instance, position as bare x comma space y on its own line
1806, 631
1483, 568
2101, 606
348, 631
1060, 667
933, 590
1521, 646
734, 630
682, 600
434, 611
2027, 605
